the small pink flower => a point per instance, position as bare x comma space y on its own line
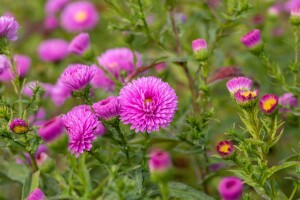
79, 44
107, 108
230, 188
225, 148
53, 50
288, 101
159, 161
8, 28
52, 129
269, 104
252, 39
239, 83
19, 126
36, 194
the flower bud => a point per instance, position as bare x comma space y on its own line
160, 165
230, 188
252, 40
19, 126
295, 16
225, 148
200, 49
36, 194
246, 99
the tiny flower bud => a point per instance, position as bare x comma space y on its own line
230, 188
36, 194
252, 40
295, 16
160, 165
246, 99
225, 148
200, 49
19, 126
269, 104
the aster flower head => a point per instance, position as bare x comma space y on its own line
19, 126
8, 28
230, 188
120, 59
54, 6
295, 14
81, 124
200, 49
79, 16
53, 50
239, 83
287, 101
107, 108
225, 148
101, 80
52, 129
36, 194
269, 104
4, 64
147, 104
246, 99
50, 23
77, 76
79, 44
100, 130
23, 63
252, 40
160, 165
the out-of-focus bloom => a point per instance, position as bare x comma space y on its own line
252, 40
147, 104
269, 104
100, 130
50, 23
288, 101
216, 167
4, 64
60, 93
225, 148
77, 76
161, 66
180, 18
277, 31
231, 188
200, 49
160, 164
239, 83
274, 10
224, 73
52, 129
258, 19
38, 118
8, 28
101, 80
79, 16
36, 194
295, 14
31, 86
53, 50
120, 59
246, 99
22, 64
79, 44
107, 108
81, 124
19, 126
54, 6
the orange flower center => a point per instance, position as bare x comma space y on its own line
269, 104
20, 129
225, 148
147, 100
248, 94
80, 16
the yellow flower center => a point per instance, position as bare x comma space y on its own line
269, 104
20, 129
80, 16
225, 148
248, 94
147, 100
113, 65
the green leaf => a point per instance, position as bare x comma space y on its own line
31, 182
182, 191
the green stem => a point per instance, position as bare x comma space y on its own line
295, 67
85, 175
293, 192
164, 190
31, 154
98, 190
142, 16
124, 142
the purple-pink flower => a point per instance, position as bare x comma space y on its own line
79, 16
52, 129
81, 124
53, 50
79, 44
239, 83
231, 188
19, 126
268, 104
37, 118
101, 80
36, 194
8, 28
159, 161
50, 23
54, 6
60, 93
31, 86
252, 39
4, 64
147, 104
288, 101
22, 64
77, 76
107, 108
200, 49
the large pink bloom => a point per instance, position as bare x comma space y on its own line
8, 28
147, 104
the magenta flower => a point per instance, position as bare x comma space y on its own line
52, 129
295, 13
246, 99
8, 28
53, 50
107, 108
54, 6
269, 104
36, 194
200, 49
50, 23
100, 130
22, 64
79, 44
60, 93
77, 76
252, 39
161, 66
118, 60
288, 101
230, 188
79, 16
147, 104
225, 148
38, 118
19, 126
239, 83
5, 64
30, 87
81, 124
101, 80
159, 161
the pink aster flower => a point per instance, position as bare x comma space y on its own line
159, 160
200, 49
79, 44
52, 129
77, 76
230, 188
118, 60
79, 16
53, 50
50, 23
19, 126
22, 64
269, 104
239, 83
4, 64
107, 108
81, 124
252, 39
60, 93
225, 148
147, 104
54, 6
288, 101
36, 194
8, 28
246, 99
101, 80
100, 130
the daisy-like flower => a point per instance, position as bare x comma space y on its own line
246, 99
120, 59
77, 76
200, 49
225, 148
269, 104
81, 124
101, 80
288, 101
36, 194
53, 50
107, 108
79, 44
79, 16
160, 165
231, 188
52, 129
8, 28
252, 40
147, 104
54, 6
19, 126
238, 83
